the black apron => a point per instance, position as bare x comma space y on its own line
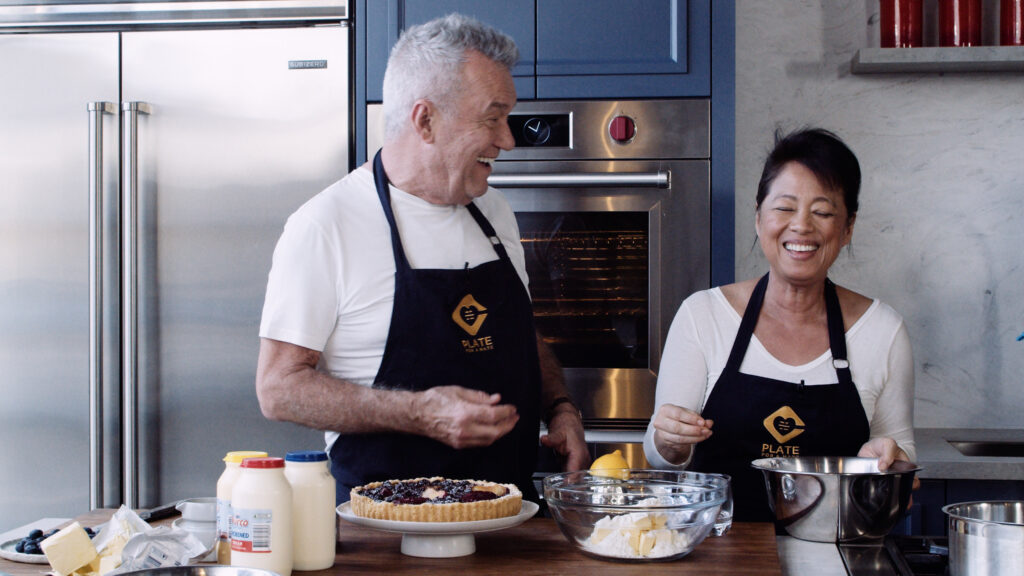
758, 417
470, 327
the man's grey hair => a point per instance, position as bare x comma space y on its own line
427, 60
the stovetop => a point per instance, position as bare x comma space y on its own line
898, 556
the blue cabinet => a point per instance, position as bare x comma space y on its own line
385, 21
613, 49
571, 48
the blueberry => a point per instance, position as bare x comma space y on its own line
32, 548
20, 546
35, 533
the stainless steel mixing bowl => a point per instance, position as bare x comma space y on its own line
201, 570
836, 498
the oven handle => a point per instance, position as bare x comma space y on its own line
659, 179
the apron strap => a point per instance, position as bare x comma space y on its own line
380, 180
750, 314
836, 334
488, 230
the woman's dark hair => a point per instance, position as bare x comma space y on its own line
821, 152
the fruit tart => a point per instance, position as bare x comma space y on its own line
435, 499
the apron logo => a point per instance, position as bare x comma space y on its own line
784, 425
469, 315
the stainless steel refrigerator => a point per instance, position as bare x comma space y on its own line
145, 176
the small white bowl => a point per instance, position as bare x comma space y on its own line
198, 509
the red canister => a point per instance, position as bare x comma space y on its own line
959, 22
1011, 22
900, 22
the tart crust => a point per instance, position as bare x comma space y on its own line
508, 504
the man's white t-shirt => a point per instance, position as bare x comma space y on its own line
701, 338
332, 281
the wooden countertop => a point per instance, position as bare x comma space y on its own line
536, 547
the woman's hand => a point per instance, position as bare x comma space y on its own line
887, 452
676, 430
885, 449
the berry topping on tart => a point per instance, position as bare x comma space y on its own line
436, 500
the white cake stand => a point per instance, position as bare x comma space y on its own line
439, 539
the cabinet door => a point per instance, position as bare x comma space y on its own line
606, 48
386, 21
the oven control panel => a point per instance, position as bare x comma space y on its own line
541, 130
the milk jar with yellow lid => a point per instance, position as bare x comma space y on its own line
232, 466
261, 517
313, 511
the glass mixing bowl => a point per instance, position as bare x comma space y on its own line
640, 516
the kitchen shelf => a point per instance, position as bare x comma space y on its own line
929, 59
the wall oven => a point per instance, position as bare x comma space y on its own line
613, 204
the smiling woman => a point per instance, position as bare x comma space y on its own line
789, 364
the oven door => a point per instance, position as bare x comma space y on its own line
612, 249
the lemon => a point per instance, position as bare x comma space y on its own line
611, 466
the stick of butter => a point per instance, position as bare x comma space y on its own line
69, 549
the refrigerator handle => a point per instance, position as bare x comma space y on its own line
96, 112
129, 295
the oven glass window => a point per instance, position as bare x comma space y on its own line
589, 285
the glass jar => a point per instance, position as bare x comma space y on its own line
900, 23
1011, 22
960, 22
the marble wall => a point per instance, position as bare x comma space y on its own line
940, 233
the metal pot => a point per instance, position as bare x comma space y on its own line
985, 538
836, 498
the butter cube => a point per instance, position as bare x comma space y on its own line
600, 534
643, 523
69, 549
647, 540
663, 537
634, 538
108, 563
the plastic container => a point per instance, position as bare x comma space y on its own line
900, 23
313, 511
232, 467
261, 517
959, 22
1011, 23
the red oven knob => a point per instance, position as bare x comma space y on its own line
622, 129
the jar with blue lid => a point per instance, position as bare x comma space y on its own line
313, 513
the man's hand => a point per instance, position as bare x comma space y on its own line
565, 436
463, 418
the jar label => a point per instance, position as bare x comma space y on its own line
223, 519
250, 530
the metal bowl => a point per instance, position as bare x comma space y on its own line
201, 570
836, 498
640, 516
